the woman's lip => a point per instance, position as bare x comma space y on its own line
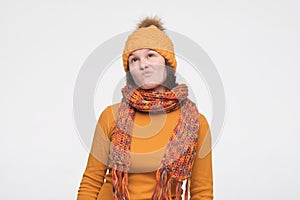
147, 73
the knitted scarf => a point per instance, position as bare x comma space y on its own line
178, 158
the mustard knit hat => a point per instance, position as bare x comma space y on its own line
150, 34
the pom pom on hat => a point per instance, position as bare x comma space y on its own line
151, 21
150, 34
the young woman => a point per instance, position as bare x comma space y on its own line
148, 144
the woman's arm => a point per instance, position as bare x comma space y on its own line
202, 178
92, 179
93, 176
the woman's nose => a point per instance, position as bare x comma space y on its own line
144, 63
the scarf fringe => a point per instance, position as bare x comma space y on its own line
116, 191
163, 187
120, 185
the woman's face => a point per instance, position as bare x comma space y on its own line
147, 68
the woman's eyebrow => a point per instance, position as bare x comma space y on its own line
131, 55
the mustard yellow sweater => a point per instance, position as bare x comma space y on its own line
96, 183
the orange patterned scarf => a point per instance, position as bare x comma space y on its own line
176, 165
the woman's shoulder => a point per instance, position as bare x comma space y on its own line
202, 119
111, 109
107, 118
204, 127
110, 113
204, 137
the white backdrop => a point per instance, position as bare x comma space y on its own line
254, 45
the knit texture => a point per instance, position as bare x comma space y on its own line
176, 165
152, 38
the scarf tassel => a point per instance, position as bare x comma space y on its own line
178, 190
125, 186
120, 184
116, 191
162, 189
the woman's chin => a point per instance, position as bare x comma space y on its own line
155, 86
149, 86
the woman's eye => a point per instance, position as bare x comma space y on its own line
151, 55
133, 60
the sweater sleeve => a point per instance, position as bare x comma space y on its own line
201, 177
93, 176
